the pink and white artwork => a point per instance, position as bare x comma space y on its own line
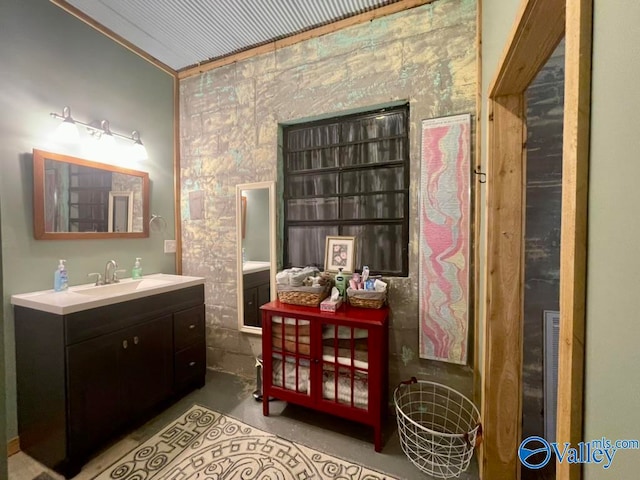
444, 238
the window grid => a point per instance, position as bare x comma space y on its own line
355, 160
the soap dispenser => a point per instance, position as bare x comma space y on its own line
60, 277
136, 271
341, 282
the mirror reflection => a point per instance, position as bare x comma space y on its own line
77, 198
256, 251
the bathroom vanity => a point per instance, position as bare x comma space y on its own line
92, 362
256, 283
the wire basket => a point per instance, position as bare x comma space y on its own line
438, 427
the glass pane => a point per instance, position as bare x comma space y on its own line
318, 136
313, 159
312, 209
345, 365
389, 205
379, 246
374, 127
373, 180
290, 358
374, 152
306, 245
306, 185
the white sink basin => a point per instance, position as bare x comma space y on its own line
84, 297
124, 286
252, 266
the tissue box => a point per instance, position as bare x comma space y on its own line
328, 305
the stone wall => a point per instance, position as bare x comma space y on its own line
230, 121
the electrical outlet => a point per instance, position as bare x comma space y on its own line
169, 246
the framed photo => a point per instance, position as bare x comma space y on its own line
340, 252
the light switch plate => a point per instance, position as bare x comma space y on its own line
169, 246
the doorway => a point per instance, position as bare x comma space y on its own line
540, 27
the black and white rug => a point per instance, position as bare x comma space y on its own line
205, 445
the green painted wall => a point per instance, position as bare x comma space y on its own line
612, 377
612, 383
50, 59
257, 225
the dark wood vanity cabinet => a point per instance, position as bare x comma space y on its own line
87, 376
257, 292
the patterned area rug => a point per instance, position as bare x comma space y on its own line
205, 445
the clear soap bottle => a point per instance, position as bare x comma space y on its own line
61, 277
136, 271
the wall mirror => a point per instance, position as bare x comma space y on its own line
74, 198
256, 251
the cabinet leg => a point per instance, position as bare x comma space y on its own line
377, 438
265, 404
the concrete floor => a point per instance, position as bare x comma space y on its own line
232, 395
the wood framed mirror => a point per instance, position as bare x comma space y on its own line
256, 253
74, 198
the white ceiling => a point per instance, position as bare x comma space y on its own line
183, 33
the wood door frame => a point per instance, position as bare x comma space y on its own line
539, 27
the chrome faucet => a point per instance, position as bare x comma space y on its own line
110, 272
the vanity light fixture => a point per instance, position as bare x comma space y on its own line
101, 131
67, 131
139, 150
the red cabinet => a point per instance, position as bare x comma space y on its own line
332, 362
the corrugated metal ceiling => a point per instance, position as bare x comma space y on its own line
182, 33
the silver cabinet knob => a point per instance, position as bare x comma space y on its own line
125, 344
191, 364
136, 340
192, 326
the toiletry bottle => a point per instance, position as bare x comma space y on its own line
136, 271
340, 282
60, 277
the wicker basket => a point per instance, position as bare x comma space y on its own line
366, 299
305, 296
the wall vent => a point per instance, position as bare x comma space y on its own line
551, 345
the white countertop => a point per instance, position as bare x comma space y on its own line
84, 297
252, 266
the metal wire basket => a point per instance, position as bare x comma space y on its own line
438, 427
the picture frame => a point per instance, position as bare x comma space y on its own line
340, 252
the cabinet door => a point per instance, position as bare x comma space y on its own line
251, 307
345, 365
291, 354
94, 392
149, 365
264, 296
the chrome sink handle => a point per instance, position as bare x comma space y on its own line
110, 272
98, 278
115, 275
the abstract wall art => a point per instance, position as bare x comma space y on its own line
444, 209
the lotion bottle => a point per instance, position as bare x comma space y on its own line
136, 271
60, 277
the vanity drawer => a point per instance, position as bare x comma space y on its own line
188, 327
189, 365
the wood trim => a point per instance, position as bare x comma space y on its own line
477, 377
13, 446
177, 191
371, 15
573, 254
529, 47
526, 54
502, 400
66, 6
